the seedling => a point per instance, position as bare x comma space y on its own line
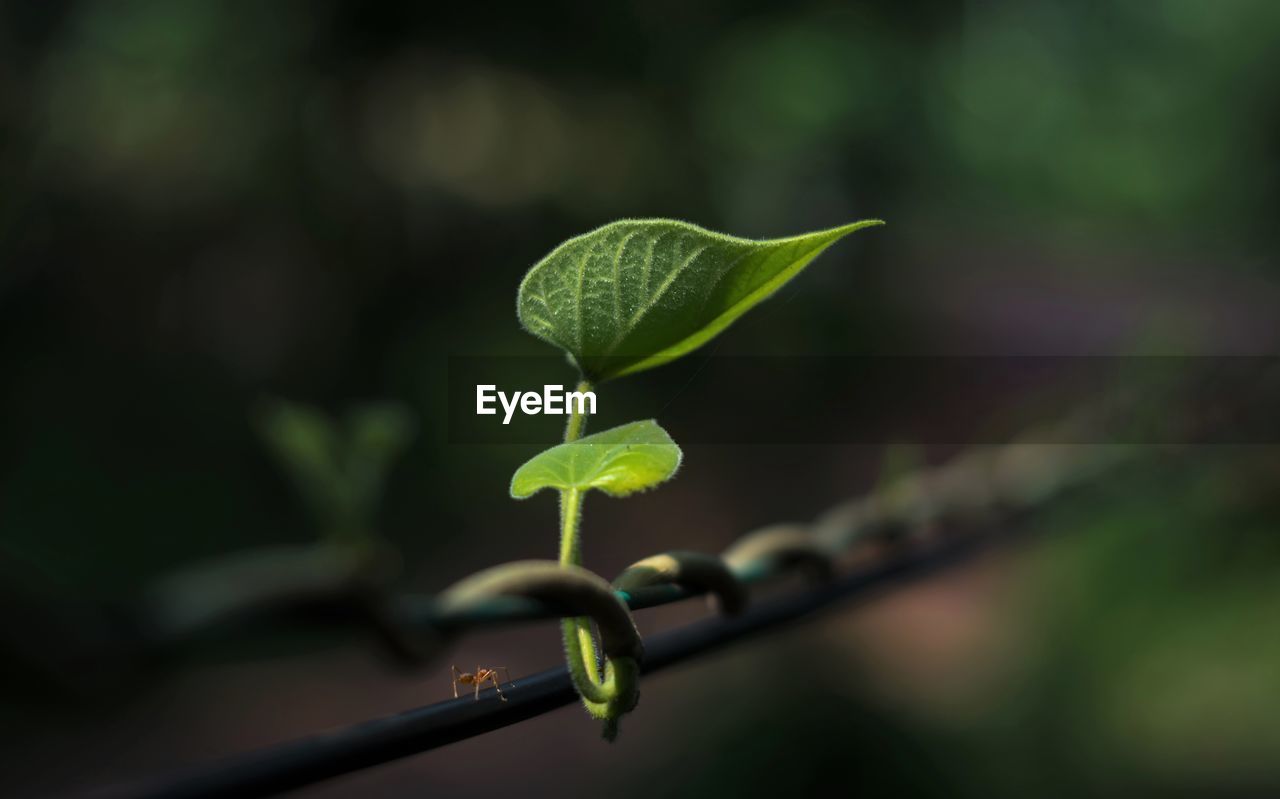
621, 299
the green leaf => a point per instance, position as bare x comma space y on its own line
638, 293
619, 461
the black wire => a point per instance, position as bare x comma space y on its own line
308, 760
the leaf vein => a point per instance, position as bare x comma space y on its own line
662, 289
582, 267
648, 262
617, 276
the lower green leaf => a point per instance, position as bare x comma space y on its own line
619, 461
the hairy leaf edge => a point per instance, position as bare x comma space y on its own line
668, 443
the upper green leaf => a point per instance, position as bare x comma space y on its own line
637, 293
618, 461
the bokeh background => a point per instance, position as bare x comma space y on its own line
208, 204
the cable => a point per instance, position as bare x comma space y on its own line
981, 490
308, 760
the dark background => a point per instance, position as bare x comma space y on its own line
202, 205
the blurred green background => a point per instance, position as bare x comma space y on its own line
206, 204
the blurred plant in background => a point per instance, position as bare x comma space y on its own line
339, 470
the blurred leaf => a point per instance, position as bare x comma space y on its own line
635, 294
381, 428
339, 470
377, 434
619, 462
306, 444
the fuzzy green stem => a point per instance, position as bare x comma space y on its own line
580, 649
577, 420
605, 696
570, 521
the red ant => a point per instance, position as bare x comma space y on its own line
479, 678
